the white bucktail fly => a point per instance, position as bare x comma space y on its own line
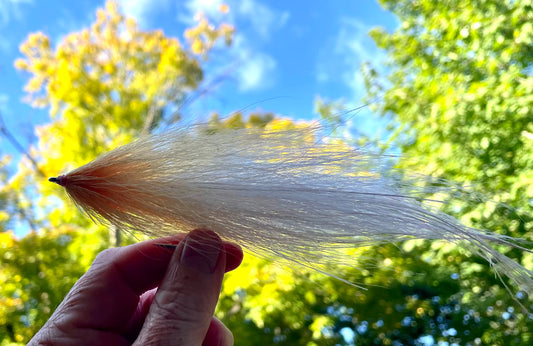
278, 194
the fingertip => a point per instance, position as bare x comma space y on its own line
143, 265
185, 301
218, 334
234, 253
137, 320
234, 256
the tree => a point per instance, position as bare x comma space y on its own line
458, 90
110, 82
104, 86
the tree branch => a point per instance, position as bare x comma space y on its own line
15, 143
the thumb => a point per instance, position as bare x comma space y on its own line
184, 304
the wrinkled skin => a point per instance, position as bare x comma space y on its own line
148, 294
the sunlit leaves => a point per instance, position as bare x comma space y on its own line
104, 86
36, 273
111, 80
203, 37
457, 88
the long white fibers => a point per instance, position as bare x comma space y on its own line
278, 194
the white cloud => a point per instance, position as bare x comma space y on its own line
255, 23
142, 10
353, 36
354, 41
253, 70
256, 72
262, 19
210, 7
10, 10
351, 48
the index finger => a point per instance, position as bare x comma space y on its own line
142, 266
112, 286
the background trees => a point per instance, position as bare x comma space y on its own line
457, 91
104, 85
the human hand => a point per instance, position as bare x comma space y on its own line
116, 303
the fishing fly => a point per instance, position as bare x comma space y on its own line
279, 194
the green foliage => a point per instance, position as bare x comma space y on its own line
37, 271
408, 296
330, 113
458, 89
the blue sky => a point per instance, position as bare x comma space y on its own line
285, 53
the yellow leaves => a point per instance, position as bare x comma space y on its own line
131, 25
102, 82
319, 324
55, 217
110, 15
197, 47
36, 47
38, 39
109, 68
7, 239
224, 8
33, 85
204, 36
310, 297
165, 61
227, 32
4, 216
33, 281
267, 281
64, 78
21, 64
113, 56
234, 122
281, 125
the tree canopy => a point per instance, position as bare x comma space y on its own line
457, 89
104, 86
